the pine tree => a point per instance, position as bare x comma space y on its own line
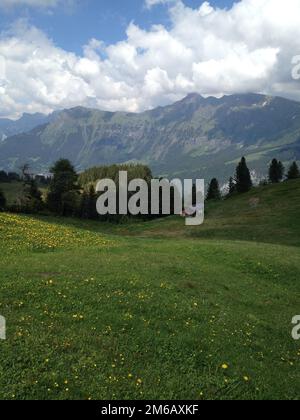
231, 186
32, 201
70, 201
33, 191
88, 203
243, 177
276, 171
213, 192
294, 172
2, 201
63, 190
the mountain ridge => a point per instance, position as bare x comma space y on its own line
195, 136
25, 123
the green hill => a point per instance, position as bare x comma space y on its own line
154, 311
267, 214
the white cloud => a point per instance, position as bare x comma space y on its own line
207, 50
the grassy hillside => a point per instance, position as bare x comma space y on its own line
153, 311
266, 214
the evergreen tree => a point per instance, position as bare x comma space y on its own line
32, 190
70, 203
31, 201
243, 177
2, 201
294, 172
276, 171
63, 183
213, 192
231, 186
88, 202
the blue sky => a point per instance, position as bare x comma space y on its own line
106, 20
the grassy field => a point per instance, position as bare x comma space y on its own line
154, 310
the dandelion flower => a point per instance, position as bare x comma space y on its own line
225, 366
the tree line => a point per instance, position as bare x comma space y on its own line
72, 194
242, 181
68, 193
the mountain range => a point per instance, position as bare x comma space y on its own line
26, 123
195, 137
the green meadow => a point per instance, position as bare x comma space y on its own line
154, 310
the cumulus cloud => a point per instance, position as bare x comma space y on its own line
213, 51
